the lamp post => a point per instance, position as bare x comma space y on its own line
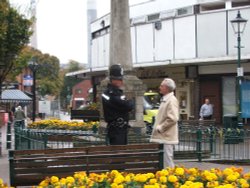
33, 67
239, 25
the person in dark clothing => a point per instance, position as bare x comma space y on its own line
116, 108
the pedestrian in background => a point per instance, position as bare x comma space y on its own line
165, 129
206, 111
19, 117
116, 108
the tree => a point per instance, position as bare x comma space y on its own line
69, 82
47, 70
14, 35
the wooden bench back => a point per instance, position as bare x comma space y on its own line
30, 167
197, 122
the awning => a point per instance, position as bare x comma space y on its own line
14, 95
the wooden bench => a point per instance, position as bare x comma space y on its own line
30, 167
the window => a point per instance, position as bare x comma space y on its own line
185, 11
153, 17
213, 6
241, 3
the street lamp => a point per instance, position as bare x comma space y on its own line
33, 67
239, 25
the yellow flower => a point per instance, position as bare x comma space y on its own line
211, 176
179, 171
114, 172
212, 184
70, 179
191, 178
44, 183
227, 171
172, 179
231, 178
114, 185
151, 186
120, 186
163, 179
141, 178
198, 185
247, 175
63, 181
152, 181
184, 186
119, 179
127, 178
54, 179
150, 175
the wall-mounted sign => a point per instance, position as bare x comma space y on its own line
245, 99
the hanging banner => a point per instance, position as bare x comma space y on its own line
27, 80
245, 99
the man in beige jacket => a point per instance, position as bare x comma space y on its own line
165, 129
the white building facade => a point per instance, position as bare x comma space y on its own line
191, 41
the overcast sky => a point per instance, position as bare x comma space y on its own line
61, 26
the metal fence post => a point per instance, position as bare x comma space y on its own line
11, 167
8, 139
198, 144
161, 159
211, 137
17, 137
45, 140
28, 139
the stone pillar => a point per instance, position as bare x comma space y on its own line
120, 39
120, 53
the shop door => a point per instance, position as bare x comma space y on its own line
211, 88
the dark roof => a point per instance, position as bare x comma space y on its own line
14, 95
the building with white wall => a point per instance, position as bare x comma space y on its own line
191, 41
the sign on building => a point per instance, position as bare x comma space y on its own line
245, 99
27, 80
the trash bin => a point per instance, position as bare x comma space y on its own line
233, 134
41, 115
230, 121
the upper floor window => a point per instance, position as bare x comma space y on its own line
240, 3
212, 6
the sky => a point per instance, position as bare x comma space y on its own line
62, 26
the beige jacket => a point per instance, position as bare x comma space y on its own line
167, 121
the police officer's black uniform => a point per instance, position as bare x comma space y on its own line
116, 110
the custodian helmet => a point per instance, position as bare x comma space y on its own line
116, 72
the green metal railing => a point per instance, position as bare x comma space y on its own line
40, 139
195, 142
211, 143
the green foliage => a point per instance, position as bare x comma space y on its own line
47, 70
48, 77
14, 35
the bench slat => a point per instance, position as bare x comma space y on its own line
35, 165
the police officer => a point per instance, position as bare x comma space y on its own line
116, 108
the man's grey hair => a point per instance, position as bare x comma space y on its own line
169, 83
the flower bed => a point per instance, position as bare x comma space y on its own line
2, 184
168, 178
64, 125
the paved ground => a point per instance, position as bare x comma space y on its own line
4, 165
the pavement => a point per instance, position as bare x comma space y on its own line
4, 164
